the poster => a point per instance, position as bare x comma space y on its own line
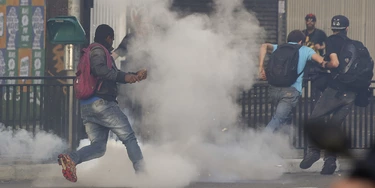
22, 36
22, 45
3, 38
37, 68
12, 63
25, 2
25, 64
12, 27
3, 64
37, 27
25, 27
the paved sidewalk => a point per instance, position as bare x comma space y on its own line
20, 172
286, 181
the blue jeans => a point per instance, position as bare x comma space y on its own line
99, 118
285, 100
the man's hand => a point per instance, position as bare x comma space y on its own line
262, 74
131, 78
142, 74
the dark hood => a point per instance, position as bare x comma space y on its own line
105, 44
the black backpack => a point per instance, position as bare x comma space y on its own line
282, 68
356, 70
356, 66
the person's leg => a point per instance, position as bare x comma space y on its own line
286, 128
326, 104
98, 136
338, 118
330, 101
118, 123
275, 99
323, 107
287, 100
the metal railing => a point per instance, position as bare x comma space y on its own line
48, 104
41, 103
257, 111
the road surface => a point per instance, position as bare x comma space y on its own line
300, 180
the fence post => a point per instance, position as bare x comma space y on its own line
68, 56
74, 9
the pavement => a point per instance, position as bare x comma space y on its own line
24, 172
294, 180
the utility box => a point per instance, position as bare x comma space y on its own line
65, 30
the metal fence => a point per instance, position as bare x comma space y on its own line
41, 103
47, 103
257, 110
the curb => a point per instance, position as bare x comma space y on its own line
22, 172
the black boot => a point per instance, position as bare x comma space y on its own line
312, 155
329, 166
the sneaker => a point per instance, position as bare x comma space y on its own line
68, 167
309, 159
329, 166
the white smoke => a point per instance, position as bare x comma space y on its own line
23, 145
198, 65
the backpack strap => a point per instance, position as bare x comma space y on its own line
303, 70
108, 55
108, 58
346, 40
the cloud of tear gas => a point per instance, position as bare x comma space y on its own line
23, 145
198, 65
249, 156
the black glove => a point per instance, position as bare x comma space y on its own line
122, 48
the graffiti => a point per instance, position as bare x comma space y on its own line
58, 53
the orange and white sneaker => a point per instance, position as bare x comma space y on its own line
68, 167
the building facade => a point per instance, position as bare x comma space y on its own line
359, 12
